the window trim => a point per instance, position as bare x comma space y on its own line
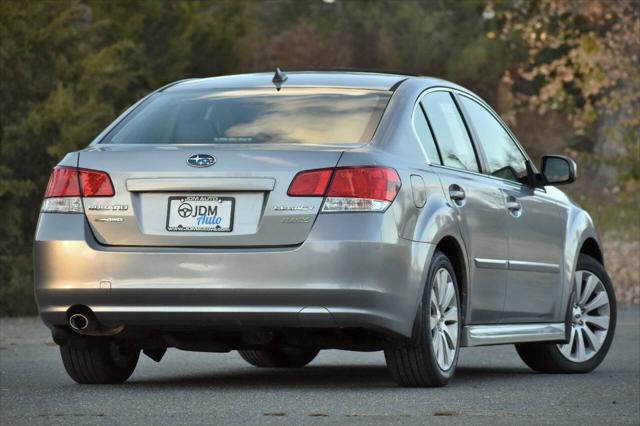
483, 172
423, 113
433, 135
454, 91
418, 104
481, 159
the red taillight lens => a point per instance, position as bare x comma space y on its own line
63, 183
95, 184
364, 188
311, 183
73, 182
372, 183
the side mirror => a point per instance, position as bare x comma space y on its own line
558, 170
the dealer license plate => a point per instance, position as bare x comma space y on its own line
200, 213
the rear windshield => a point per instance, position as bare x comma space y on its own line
291, 115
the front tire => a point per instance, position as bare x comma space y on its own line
97, 360
430, 357
593, 323
279, 357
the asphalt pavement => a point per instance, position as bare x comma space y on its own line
492, 386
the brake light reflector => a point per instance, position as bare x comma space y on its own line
362, 188
68, 184
310, 183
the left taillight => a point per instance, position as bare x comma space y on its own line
67, 185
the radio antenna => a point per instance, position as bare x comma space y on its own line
278, 78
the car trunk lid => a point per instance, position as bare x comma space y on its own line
240, 200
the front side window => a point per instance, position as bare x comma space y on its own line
292, 115
450, 133
504, 158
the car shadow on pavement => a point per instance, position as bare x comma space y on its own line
343, 377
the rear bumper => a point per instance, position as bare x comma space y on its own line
352, 275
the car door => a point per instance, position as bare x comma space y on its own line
478, 204
535, 222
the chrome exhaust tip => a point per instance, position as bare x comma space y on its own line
82, 320
79, 322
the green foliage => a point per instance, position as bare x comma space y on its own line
68, 68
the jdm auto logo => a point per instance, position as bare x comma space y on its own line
185, 210
201, 160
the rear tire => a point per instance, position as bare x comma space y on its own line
95, 360
279, 357
587, 346
430, 357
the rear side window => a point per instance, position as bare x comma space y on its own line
450, 133
425, 137
504, 159
291, 115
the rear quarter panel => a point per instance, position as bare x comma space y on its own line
396, 145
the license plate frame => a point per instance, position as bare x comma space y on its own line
200, 199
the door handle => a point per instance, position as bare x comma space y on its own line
514, 207
457, 194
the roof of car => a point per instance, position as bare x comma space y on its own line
353, 79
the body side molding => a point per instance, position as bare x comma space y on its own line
491, 263
516, 265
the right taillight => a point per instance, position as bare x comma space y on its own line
68, 184
361, 188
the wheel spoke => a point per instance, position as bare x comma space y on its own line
444, 317
452, 330
434, 297
578, 284
591, 284
580, 346
437, 346
435, 292
442, 286
451, 336
433, 321
433, 311
593, 340
600, 300
567, 348
602, 322
448, 295
445, 350
451, 315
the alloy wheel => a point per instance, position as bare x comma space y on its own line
589, 318
444, 319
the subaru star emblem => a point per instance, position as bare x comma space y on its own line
201, 160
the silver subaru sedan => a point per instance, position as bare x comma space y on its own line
282, 214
